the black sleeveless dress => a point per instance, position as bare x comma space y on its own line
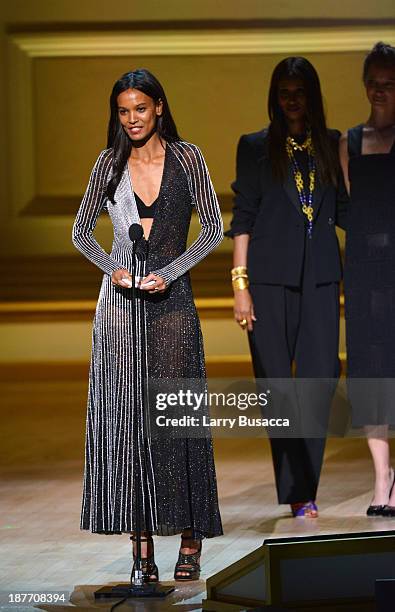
369, 284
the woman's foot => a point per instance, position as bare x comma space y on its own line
383, 494
389, 509
188, 564
149, 567
304, 510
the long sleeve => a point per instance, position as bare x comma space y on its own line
246, 188
88, 213
211, 232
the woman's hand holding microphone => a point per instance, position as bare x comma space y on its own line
151, 283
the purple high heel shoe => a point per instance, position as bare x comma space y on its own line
304, 510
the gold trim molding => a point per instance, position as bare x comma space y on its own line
200, 42
21, 312
218, 42
81, 310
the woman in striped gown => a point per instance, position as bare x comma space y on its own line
147, 176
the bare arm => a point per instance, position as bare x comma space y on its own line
343, 155
243, 306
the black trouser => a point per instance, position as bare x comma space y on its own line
301, 325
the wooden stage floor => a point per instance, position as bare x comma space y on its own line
42, 549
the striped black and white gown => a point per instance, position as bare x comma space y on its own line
178, 475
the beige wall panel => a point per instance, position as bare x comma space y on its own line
52, 236
70, 101
71, 341
214, 99
36, 11
3, 138
69, 123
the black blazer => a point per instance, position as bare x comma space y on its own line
270, 212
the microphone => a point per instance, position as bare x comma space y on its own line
135, 232
136, 235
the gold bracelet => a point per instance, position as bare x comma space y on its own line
239, 276
238, 270
240, 283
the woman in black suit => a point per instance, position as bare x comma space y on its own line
287, 264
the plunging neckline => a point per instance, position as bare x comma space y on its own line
157, 199
136, 195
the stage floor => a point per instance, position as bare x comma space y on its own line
43, 550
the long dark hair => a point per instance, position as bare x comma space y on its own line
144, 81
325, 148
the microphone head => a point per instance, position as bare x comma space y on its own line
135, 232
